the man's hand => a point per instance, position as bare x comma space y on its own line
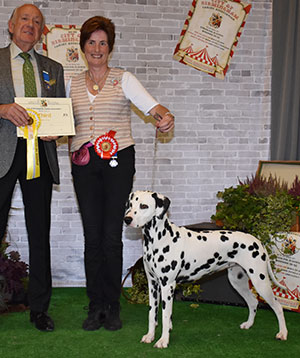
48, 138
14, 113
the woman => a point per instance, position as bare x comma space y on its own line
103, 158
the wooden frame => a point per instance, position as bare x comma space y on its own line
286, 171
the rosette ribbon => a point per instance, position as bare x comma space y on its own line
30, 133
106, 145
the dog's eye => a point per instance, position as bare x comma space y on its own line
144, 206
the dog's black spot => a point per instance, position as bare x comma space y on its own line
264, 257
155, 252
173, 264
149, 257
183, 279
240, 275
251, 270
255, 246
166, 249
151, 274
159, 236
166, 269
232, 254
224, 238
216, 255
182, 264
168, 227
243, 246
251, 248
182, 255
199, 237
236, 245
164, 233
204, 238
262, 276
189, 234
164, 280
204, 266
221, 263
169, 298
255, 254
187, 266
161, 258
154, 222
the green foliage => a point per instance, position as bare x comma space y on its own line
190, 289
262, 207
139, 291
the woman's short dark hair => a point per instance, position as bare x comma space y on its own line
94, 24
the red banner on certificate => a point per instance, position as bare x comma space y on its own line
61, 43
210, 34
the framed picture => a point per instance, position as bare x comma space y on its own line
285, 171
210, 35
61, 43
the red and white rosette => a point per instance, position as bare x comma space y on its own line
106, 145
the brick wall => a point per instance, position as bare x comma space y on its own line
222, 126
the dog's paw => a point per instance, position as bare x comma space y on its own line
162, 343
246, 325
147, 338
281, 336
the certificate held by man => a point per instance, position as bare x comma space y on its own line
48, 116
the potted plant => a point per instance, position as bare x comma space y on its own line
263, 207
13, 277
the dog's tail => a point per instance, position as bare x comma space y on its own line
272, 276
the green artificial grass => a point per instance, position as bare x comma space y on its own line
208, 331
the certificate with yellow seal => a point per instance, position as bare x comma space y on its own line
49, 116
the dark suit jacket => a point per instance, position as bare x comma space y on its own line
8, 136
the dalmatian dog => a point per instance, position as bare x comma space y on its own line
173, 254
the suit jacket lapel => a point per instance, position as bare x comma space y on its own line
41, 67
6, 77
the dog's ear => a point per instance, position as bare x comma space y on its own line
128, 201
163, 203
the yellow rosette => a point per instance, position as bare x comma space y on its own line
30, 133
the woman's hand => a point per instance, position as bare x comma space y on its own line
165, 119
166, 124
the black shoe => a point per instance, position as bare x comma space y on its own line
42, 321
112, 320
94, 320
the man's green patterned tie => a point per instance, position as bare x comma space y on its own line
28, 74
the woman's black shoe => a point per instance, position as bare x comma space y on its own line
42, 321
112, 321
94, 320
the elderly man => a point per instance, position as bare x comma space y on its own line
25, 73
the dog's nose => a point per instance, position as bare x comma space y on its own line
127, 220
